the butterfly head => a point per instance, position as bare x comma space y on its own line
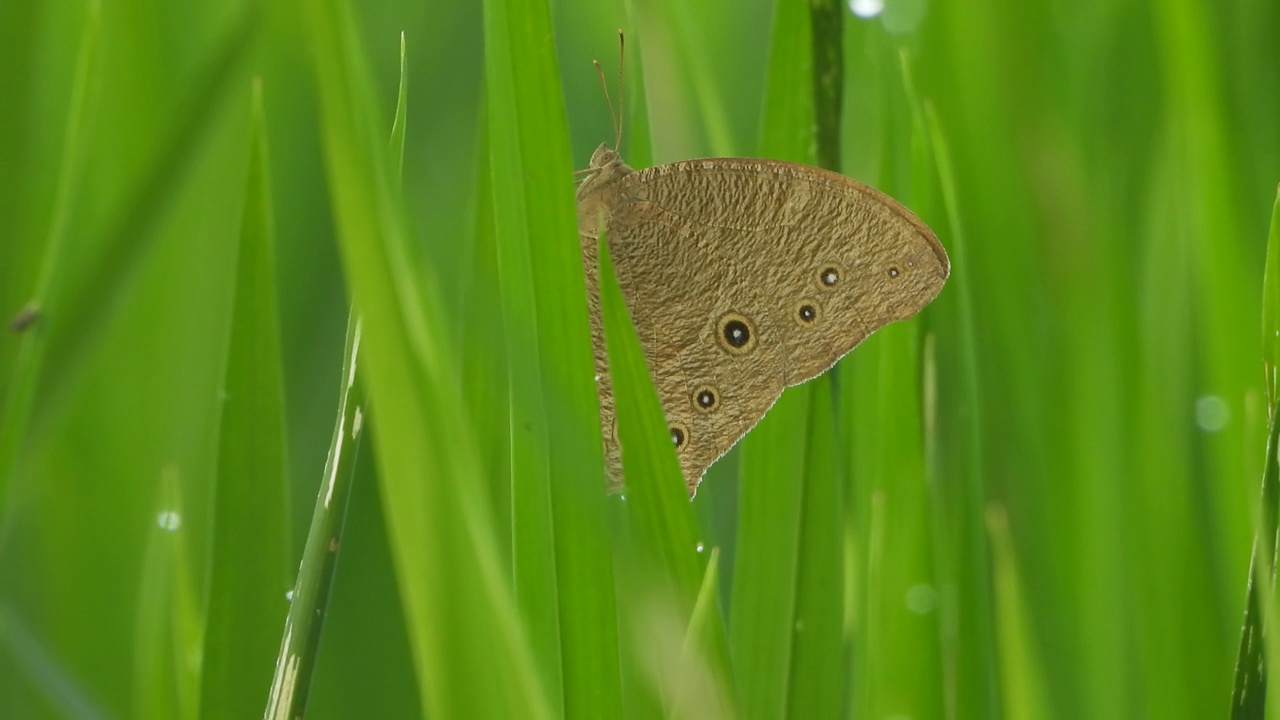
597, 190
606, 166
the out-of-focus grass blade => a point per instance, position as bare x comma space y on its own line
1224, 297
1256, 659
817, 672
1271, 310
290, 685
168, 636
471, 652
250, 555
563, 569
706, 629
897, 654
968, 640
659, 548
667, 18
486, 378
897, 661
774, 475
1024, 692
533, 534
29, 361
80, 310
43, 672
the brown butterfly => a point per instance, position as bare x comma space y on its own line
743, 276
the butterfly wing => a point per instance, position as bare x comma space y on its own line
712, 356
744, 276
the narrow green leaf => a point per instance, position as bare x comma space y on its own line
250, 554
955, 448
898, 662
401, 119
897, 659
770, 524
817, 669
74, 317
706, 630
659, 548
471, 652
1253, 670
563, 569
300, 642
29, 363
290, 686
170, 627
787, 646
486, 390
1024, 692
1271, 310
533, 538
43, 670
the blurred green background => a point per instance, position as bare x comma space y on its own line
1088, 401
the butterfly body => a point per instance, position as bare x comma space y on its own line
742, 277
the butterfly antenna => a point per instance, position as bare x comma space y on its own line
605, 87
617, 138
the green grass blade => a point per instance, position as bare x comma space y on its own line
968, 627
898, 661
563, 569
296, 660
658, 550
82, 310
1271, 310
250, 554
1224, 296
533, 539
786, 638
486, 390
1024, 693
706, 630
1253, 670
30, 358
400, 122
171, 627
60, 694
818, 646
470, 651
692, 52
291, 682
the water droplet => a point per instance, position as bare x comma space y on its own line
699, 547
1212, 413
169, 520
866, 9
922, 599
289, 596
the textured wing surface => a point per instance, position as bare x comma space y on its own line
745, 276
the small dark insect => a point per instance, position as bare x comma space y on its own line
25, 318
